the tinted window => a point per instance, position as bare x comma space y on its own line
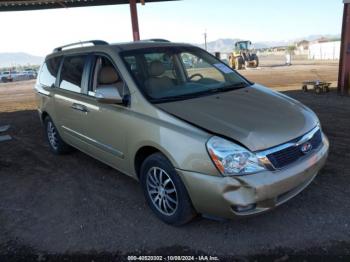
131, 61
49, 71
106, 75
72, 73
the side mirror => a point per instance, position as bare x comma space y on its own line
108, 95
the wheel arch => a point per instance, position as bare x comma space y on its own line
43, 115
145, 151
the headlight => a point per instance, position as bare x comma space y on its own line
232, 159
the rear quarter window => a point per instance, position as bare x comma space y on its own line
49, 70
72, 73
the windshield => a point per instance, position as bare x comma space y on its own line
242, 45
177, 73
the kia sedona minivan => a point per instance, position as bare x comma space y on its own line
200, 139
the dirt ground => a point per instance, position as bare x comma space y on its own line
273, 73
78, 209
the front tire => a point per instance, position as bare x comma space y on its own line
238, 63
57, 145
164, 191
256, 62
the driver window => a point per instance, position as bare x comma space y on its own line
197, 69
106, 75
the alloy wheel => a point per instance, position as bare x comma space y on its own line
162, 191
52, 135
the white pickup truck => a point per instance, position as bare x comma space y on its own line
10, 76
6, 76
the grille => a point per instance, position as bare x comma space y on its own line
291, 154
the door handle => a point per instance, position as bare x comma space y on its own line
80, 107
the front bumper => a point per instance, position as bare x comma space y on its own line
230, 197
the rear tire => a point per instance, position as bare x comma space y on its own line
318, 90
164, 191
305, 88
57, 145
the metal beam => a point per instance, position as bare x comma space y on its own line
134, 21
344, 63
26, 5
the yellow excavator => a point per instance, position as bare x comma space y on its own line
243, 56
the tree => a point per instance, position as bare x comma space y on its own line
291, 49
289, 52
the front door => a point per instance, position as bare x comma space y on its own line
107, 124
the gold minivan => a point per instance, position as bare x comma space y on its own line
199, 137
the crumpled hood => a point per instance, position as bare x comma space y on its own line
256, 117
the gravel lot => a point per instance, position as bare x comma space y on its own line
76, 208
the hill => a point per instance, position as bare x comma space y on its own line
227, 44
19, 58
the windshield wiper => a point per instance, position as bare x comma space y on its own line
175, 98
233, 86
225, 88
202, 93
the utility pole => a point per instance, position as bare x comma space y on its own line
205, 39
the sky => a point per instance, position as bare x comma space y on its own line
38, 32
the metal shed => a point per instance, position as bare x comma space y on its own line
25, 5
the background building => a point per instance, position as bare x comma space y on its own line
324, 50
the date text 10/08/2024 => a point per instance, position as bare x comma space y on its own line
173, 258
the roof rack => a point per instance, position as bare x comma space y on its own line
94, 42
157, 40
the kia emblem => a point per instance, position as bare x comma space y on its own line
306, 147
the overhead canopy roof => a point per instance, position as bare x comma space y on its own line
21, 5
